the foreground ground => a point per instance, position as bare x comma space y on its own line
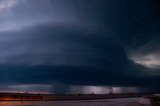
104, 102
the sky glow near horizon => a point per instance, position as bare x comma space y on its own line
47, 89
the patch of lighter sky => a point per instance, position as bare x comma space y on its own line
102, 89
6, 4
150, 60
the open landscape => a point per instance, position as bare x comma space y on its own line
102, 102
25, 99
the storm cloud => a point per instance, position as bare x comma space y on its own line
80, 44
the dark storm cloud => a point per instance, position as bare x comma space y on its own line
47, 53
63, 45
82, 42
69, 43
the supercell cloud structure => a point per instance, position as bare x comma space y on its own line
71, 46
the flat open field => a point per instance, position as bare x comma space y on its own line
102, 102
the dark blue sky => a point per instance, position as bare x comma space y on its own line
70, 46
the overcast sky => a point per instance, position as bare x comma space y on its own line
70, 46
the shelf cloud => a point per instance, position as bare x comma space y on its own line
82, 44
